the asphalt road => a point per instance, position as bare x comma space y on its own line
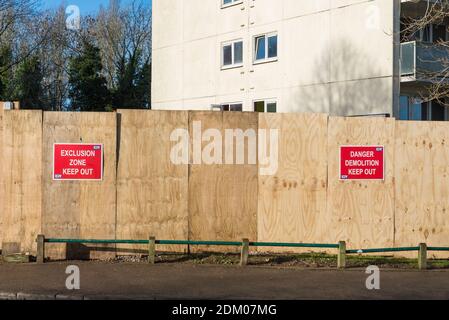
179, 281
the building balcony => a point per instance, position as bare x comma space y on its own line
423, 62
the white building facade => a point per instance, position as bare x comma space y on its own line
341, 57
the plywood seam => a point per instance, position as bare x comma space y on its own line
327, 167
42, 172
189, 168
394, 181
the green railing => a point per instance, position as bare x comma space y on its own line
438, 249
383, 250
293, 245
245, 244
96, 241
193, 243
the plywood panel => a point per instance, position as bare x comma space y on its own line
222, 197
152, 191
292, 202
80, 209
20, 191
361, 212
2, 183
303, 201
422, 184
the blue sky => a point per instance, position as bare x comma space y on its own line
86, 6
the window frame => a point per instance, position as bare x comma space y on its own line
422, 33
266, 59
428, 113
232, 44
221, 105
431, 26
266, 102
435, 104
434, 26
231, 4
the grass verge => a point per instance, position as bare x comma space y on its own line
303, 260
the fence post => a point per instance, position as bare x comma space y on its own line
152, 250
40, 248
244, 253
341, 259
422, 256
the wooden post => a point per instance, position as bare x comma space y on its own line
40, 248
341, 259
422, 256
152, 250
245, 252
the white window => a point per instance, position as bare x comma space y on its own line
234, 106
228, 3
232, 54
265, 106
266, 48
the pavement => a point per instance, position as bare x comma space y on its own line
102, 280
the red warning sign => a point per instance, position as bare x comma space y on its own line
362, 163
82, 161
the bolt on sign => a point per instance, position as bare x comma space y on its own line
362, 162
77, 161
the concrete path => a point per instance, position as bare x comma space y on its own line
180, 281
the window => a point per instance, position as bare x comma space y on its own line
439, 33
265, 106
412, 109
426, 33
228, 3
437, 112
232, 54
266, 47
403, 108
238, 106
234, 106
418, 110
432, 33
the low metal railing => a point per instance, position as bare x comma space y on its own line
245, 244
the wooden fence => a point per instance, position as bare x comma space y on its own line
144, 193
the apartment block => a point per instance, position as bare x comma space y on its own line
341, 57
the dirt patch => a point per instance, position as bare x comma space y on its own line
306, 260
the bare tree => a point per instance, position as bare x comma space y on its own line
123, 34
53, 55
14, 11
18, 30
59, 45
433, 63
109, 31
